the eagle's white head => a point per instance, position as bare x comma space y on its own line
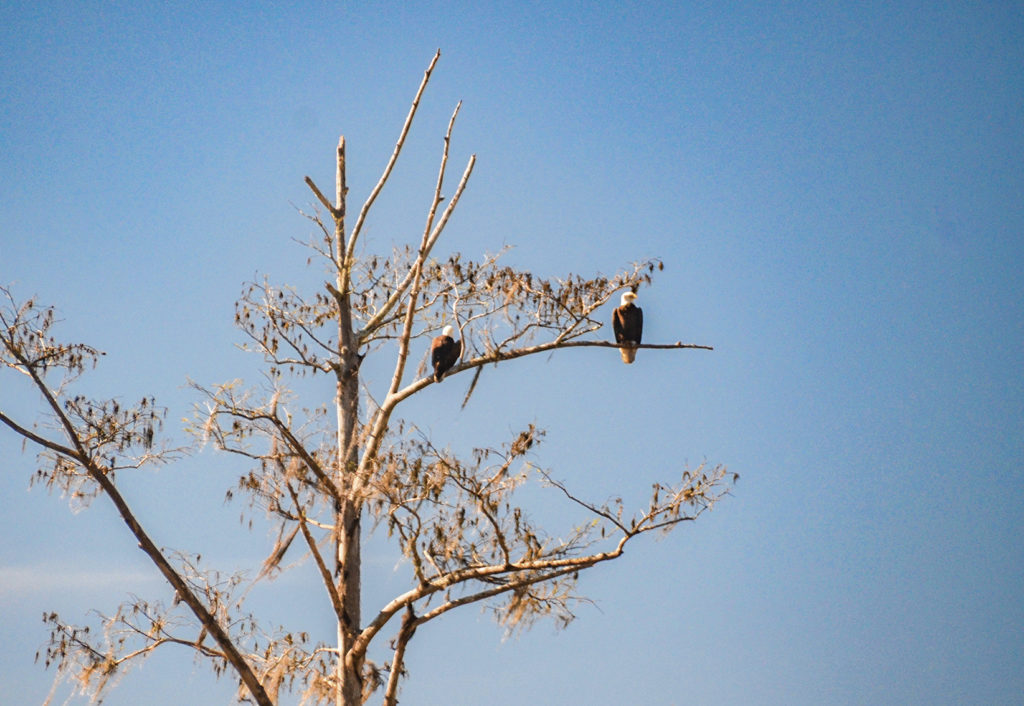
628, 298
447, 330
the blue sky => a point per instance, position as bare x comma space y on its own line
836, 190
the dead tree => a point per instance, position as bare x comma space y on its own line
327, 476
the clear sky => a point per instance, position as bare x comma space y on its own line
837, 192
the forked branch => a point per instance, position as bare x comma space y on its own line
361, 218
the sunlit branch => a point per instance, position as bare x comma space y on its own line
375, 322
80, 455
325, 573
405, 633
448, 579
231, 409
519, 583
357, 228
497, 356
436, 201
97, 473
321, 198
425, 244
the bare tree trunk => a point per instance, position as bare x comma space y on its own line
348, 513
348, 525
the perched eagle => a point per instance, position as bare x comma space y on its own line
444, 353
628, 322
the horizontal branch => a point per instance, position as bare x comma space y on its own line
655, 346
499, 356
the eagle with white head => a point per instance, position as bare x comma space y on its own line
444, 353
628, 323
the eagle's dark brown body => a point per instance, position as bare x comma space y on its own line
628, 323
444, 353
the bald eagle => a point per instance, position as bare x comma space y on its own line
628, 322
444, 353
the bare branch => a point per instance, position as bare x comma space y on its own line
405, 633
361, 218
417, 269
375, 322
325, 574
78, 453
498, 356
322, 199
35, 438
